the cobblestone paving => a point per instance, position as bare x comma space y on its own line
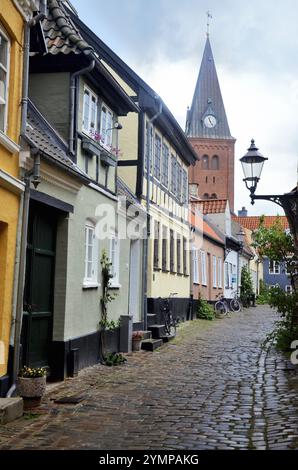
212, 388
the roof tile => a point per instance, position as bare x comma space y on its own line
253, 222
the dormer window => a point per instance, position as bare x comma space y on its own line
106, 124
4, 68
90, 123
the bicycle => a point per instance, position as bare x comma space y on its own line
235, 303
170, 321
221, 306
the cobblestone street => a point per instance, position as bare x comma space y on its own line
212, 388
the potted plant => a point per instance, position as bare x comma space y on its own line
137, 337
31, 385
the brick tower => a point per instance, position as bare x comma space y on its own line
208, 131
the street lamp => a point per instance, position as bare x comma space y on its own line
252, 164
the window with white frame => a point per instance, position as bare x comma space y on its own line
90, 122
148, 149
165, 165
288, 289
219, 273
195, 265
274, 267
227, 280
214, 271
185, 187
4, 70
204, 268
114, 258
106, 124
157, 156
173, 174
91, 255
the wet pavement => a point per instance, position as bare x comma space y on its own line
213, 387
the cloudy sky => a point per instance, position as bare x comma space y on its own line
255, 46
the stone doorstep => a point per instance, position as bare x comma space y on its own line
10, 409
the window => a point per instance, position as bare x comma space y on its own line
185, 271
195, 265
178, 254
214, 271
164, 248
179, 180
288, 289
165, 165
173, 174
213, 196
227, 282
205, 162
171, 251
204, 268
185, 187
156, 245
274, 267
106, 124
219, 273
157, 159
206, 196
215, 162
4, 70
91, 256
231, 275
90, 112
114, 258
148, 150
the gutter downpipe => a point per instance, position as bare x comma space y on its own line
21, 244
73, 78
146, 244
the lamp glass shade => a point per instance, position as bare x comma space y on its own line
252, 163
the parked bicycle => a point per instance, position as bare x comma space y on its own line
170, 321
221, 306
235, 303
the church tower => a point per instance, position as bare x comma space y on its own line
208, 131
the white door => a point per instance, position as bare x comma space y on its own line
135, 280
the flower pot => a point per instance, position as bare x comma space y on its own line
136, 344
33, 388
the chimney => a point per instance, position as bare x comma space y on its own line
243, 212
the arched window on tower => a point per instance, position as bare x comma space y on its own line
206, 196
215, 162
205, 162
213, 196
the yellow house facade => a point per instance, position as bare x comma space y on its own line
13, 17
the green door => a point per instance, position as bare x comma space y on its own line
39, 285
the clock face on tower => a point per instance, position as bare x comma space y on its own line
210, 121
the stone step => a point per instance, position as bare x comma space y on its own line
151, 318
147, 335
151, 344
157, 331
10, 409
167, 338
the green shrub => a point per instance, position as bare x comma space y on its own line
263, 297
246, 291
205, 311
114, 359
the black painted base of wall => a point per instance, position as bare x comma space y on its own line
181, 308
85, 350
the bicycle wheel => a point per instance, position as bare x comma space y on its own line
170, 326
220, 308
235, 305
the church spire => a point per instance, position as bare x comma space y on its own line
207, 116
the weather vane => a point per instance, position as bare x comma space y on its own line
209, 17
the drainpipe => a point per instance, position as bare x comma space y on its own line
73, 78
146, 244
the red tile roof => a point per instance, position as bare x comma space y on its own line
211, 206
253, 222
